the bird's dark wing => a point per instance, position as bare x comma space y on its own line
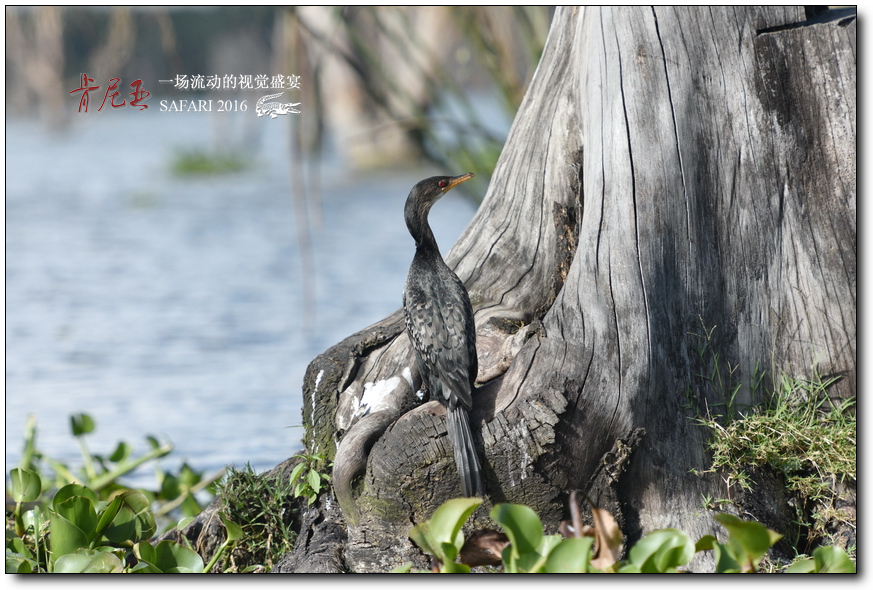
441, 327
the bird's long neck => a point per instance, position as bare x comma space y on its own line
416, 220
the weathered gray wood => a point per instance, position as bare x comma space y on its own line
710, 193
320, 544
668, 167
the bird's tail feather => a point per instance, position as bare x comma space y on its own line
458, 426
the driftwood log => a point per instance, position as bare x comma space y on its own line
671, 172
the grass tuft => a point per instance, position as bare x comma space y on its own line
801, 433
265, 507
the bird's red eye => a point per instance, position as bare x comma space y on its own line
443, 183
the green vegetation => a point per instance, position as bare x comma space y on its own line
174, 493
86, 520
308, 477
798, 431
77, 532
266, 507
596, 549
441, 536
718, 378
61, 519
201, 162
801, 434
91, 523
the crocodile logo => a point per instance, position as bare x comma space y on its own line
274, 109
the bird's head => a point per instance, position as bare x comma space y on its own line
421, 198
429, 190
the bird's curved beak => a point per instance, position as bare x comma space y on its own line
457, 180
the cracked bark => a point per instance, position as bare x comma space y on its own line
716, 185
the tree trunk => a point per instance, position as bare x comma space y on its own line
674, 177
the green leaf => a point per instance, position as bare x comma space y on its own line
301, 489
402, 569
147, 556
295, 473
547, 545
705, 543
79, 510
314, 480
234, 531
726, 561
170, 487
81, 424
18, 564
16, 544
121, 452
88, 561
521, 525
749, 541
72, 490
802, 566
190, 506
144, 551
421, 535
833, 560
108, 515
174, 558
662, 551
528, 548
448, 520
34, 518
19, 558
144, 567
153, 443
188, 477
508, 560
66, 537
534, 561
451, 567
134, 521
444, 527
26, 485
570, 556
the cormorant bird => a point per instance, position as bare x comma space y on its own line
439, 320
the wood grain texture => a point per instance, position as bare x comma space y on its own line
669, 169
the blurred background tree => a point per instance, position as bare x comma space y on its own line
381, 86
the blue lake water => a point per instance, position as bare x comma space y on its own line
171, 306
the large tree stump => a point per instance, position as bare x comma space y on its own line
668, 167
